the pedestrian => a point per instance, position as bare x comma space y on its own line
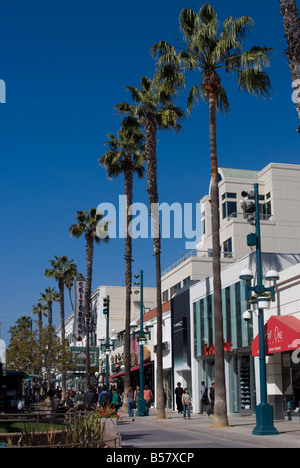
104, 398
186, 403
136, 396
203, 397
211, 400
130, 401
89, 398
56, 402
178, 393
148, 396
115, 401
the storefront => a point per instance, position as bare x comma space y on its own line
282, 342
239, 364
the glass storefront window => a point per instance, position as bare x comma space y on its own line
236, 330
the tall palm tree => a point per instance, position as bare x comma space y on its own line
49, 296
155, 109
291, 23
40, 310
62, 270
207, 50
88, 224
126, 156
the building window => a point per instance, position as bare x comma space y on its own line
186, 280
165, 296
227, 248
229, 209
174, 289
228, 195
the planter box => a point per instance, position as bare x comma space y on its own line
110, 427
263, 302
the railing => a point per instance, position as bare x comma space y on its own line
244, 216
198, 254
32, 422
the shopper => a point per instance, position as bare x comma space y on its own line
104, 398
90, 398
211, 400
130, 402
186, 403
203, 397
148, 396
178, 393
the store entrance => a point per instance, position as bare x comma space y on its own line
291, 382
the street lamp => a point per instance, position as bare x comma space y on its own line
141, 339
264, 411
105, 347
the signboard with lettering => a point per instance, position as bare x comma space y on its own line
80, 355
79, 323
281, 334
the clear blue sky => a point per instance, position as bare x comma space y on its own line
66, 64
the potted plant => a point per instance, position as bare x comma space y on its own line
263, 300
142, 339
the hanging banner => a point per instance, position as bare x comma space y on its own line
79, 323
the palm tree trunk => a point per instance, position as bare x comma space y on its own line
50, 315
87, 302
63, 337
128, 183
291, 23
220, 412
150, 150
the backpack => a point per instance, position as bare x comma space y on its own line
104, 399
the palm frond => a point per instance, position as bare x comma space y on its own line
255, 82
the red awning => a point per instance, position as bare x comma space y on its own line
111, 377
281, 334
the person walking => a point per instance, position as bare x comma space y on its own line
136, 396
211, 400
104, 398
203, 397
130, 398
90, 398
186, 403
178, 393
148, 396
115, 401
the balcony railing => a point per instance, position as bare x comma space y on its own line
198, 254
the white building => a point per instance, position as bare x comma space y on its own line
242, 372
279, 190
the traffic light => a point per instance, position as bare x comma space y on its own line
248, 205
106, 305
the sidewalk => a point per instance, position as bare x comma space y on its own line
240, 429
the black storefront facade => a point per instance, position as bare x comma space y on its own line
181, 341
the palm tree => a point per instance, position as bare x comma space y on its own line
49, 296
208, 50
291, 23
88, 224
62, 270
126, 156
154, 108
40, 310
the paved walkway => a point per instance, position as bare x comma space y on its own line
240, 429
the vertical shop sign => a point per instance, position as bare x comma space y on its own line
79, 328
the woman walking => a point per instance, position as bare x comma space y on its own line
186, 402
130, 397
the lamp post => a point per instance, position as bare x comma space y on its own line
141, 338
107, 345
264, 411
